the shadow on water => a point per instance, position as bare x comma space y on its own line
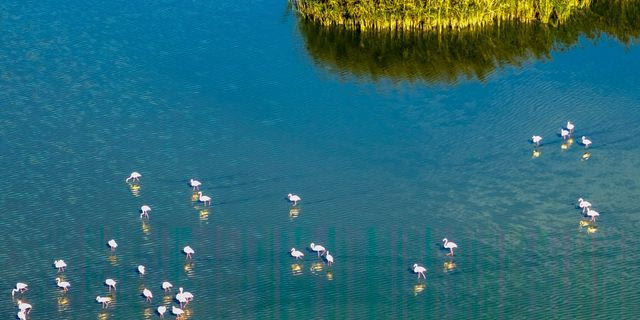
448, 57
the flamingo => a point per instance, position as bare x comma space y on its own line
195, 184
570, 126
147, 294
21, 315
317, 248
419, 270
586, 142
24, 307
204, 199
536, 140
449, 245
176, 311
188, 251
63, 284
161, 311
184, 297
329, 258
293, 198
144, 211
186, 294
20, 287
593, 214
104, 300
141, 270
296, 254
134, 176
60, 265
564, 133
181, 299
112, 244
584, 205
111, 284
166, 286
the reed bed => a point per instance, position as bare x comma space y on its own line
433, 14
439, 57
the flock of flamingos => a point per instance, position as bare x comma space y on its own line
184, 297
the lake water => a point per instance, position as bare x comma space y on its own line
229, 93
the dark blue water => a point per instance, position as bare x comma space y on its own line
225, 92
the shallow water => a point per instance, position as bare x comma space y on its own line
226, 92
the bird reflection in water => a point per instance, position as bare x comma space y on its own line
135, 189
449, 266
113, 260
418, 288
296, 269
329, 275
316, 267
167, 299
536, 153
103, 315
586, 156
146, 229
204, 214
194, 197
148, 313
188, 268
294, 212
592, 229
63, 303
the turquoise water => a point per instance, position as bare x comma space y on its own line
225, 92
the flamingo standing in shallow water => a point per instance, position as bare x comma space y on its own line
21, 315
112, 244
141, 270
166, 286
564, 133
317, 248
134, 176
195, 184
296, 254
204, 199
161, 311
584, 205
586, 142
329, 258
293, 198
60, 265
147, 294
449, 245
111, 284
24, 307
419, 270
20, 287
144, 211
63, 284
176, 311
593, 214
570, 127
188, 251
104, 300
536, 140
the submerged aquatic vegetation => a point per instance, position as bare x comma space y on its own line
435, 56
433, 14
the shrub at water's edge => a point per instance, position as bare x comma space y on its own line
445, 57
433, 14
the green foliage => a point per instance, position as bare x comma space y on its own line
433, 14
469, 53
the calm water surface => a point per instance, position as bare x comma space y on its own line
226, 92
